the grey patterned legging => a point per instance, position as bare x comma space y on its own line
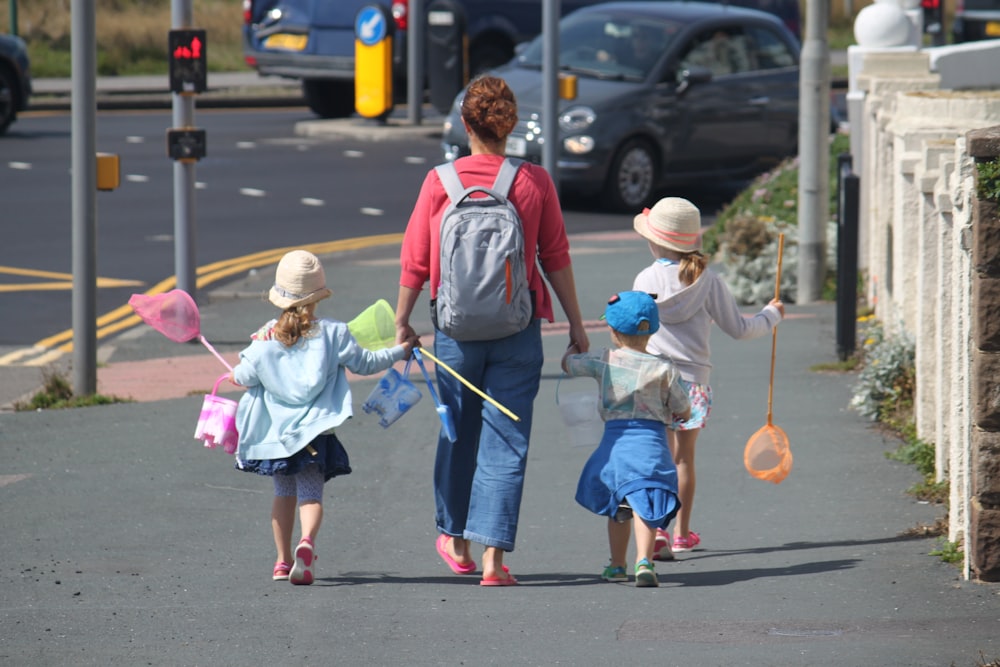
306, 484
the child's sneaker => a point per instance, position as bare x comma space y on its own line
614, 574
686, 543
645, 575
661, 548
301, 574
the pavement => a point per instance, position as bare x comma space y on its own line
127, 542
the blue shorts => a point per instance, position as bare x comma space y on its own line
700, 396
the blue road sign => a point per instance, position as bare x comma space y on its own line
371, 26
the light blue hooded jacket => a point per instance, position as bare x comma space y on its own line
296, 393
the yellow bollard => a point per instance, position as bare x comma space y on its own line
108, 172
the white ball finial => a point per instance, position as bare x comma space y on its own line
883, 24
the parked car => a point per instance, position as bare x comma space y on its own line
313, 40
15, 79
716, 96
975, 20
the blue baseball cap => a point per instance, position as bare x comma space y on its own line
627, 310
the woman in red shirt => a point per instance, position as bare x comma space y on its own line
478, 479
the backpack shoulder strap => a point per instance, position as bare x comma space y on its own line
450, 180
506, 175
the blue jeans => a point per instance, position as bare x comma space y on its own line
478, 479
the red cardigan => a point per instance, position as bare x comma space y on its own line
534, 196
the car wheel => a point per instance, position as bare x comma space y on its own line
633, 175
8, 103
329, 99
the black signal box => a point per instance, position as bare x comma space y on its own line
186, 144
188, 64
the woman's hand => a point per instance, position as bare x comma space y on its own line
578, 337
572, 348
409, 343
404, 332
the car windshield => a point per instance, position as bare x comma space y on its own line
607, 46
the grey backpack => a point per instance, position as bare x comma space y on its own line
483, 293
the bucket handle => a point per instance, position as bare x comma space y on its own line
420, 362
215, 387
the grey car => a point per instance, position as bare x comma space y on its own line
15, 79
667, 92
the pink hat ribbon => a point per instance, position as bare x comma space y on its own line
680, 238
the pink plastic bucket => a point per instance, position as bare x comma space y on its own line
217, 421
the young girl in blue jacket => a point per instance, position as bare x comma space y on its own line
297, 393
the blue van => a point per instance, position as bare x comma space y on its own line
313, 40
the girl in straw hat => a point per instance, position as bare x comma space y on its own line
690, 297
297, 393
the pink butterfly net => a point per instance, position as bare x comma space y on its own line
175, 315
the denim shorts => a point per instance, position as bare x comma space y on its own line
700, 396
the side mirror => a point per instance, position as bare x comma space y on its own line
692, 75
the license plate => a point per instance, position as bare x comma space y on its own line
286, 42
993, 28
517, 147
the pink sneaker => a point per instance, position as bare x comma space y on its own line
661, 548
686, 543
301, 574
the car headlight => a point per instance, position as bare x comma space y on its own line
576, 119
579, 144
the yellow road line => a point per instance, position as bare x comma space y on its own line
51, 348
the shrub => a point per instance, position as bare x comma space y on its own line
744, 238
888, 373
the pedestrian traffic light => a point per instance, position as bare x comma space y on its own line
186, 144
188, 65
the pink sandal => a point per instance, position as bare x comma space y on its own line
281, 570
687, 543
301, 573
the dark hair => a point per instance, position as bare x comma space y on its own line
489, 108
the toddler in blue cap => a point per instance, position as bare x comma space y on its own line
631, 474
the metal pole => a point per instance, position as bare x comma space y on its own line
13, 17
83, 52
184, 176
415, 50
550, 86
814, 152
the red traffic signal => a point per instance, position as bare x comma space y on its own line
188, 64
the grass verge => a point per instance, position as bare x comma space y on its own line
57, 393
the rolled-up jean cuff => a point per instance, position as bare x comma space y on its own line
488, 541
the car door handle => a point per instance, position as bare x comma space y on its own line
760, 101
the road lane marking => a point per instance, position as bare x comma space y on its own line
311, 201
253, 192
372, 211
24, 166
53, 347
137, 178
58, 281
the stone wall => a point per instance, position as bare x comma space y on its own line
931, 254
984, 506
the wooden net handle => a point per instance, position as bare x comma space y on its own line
774, 332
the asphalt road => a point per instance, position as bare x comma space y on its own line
126, 542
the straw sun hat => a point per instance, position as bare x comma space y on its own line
298, 281
673, 223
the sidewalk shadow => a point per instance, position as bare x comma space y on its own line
364, 578
799, 546
726, 577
